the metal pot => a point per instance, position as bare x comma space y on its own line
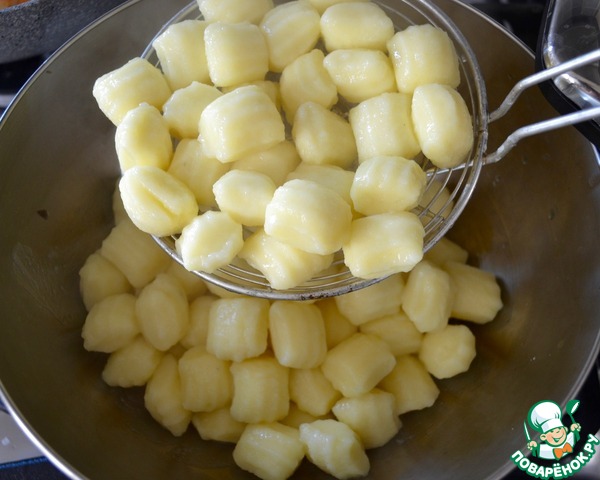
533, 220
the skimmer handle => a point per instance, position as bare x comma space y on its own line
546, 125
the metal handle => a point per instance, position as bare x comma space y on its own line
546, 125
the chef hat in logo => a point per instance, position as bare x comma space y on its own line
545, 416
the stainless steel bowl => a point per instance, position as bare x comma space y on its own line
533, 220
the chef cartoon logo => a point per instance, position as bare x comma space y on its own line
557, 442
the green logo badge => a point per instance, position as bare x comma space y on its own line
557, 442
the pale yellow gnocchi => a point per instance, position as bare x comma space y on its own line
180, 50
283, 265
156, 201
136, 82
423, 55
325, 381
210, 241
234, 11
308, 216
350, 25
240, 123
442, 124
143, 138
236, 53
360, 74
271, 150
290, 29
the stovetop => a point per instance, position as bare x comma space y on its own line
20, 459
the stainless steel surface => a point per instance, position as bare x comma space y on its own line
573, 29
533, 220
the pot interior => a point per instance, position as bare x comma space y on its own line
533, 220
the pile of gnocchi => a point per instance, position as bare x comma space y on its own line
238, 146
275, 136
325, 380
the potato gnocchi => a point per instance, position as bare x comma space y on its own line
277, 136
284, 381
275, 91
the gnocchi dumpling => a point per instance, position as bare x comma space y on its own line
323, 137
132, 365
206, 382
322, 5
290, 29
436, 200
387, 184
337, 325
478, 297
218, 425
371, 415
271, 451
234, 11
162, 311
312, 392
192, 284
238, 328
306, 80
180, 50
136, 82
421, 55
197, 171
99, 278
270, 87
411, 384
383, 244
397, 330
356, 365
210, 241
156, 201
260, 390
283, 265
360, 74
143, 138
297, 334
428, 297
197, 331
297, 417
276, 162
376, 301
449, 351
335, 448
134, 253
331, 176
244, 195
236, 53
445, 250
240, 123
383, 126
350, 25
163, 397
308, 216
442, 124
110, 324
183, 109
